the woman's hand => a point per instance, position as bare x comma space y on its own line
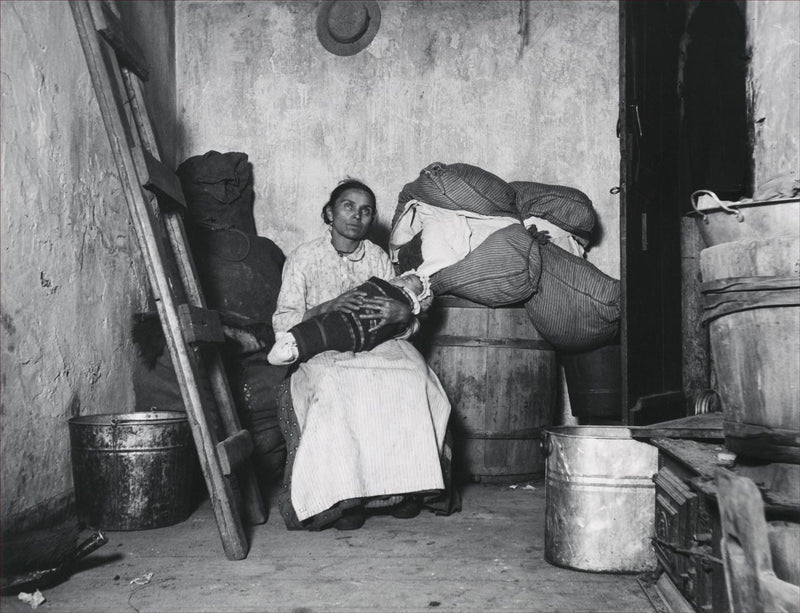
386, 311
349, 302
246, 341
249, 335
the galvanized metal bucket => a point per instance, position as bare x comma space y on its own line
133, 471
599, 499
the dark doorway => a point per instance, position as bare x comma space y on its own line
715, 149
683, 127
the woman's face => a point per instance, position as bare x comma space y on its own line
352, 214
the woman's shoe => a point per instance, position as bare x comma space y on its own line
351, 520
408, 508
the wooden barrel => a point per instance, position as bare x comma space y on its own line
500, 376
751, 295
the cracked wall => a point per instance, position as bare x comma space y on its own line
526, 90
71, 270
773, 31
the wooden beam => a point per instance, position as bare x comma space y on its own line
164, 183
129, 54
200, 325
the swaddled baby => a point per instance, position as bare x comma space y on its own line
340, 331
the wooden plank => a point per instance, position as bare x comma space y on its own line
695, 355
129, 54
200, 325
749, 575
776, 506
174, 223
129, 161
234, 451
704, 426
783, 443
164, 183
701, 458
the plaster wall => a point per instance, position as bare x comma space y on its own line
526, 90
774, 87
71, 269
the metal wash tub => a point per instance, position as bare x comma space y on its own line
600, 499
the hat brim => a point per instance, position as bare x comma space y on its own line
348, 48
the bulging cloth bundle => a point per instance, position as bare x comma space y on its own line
499, 243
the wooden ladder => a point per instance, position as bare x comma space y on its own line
156, 202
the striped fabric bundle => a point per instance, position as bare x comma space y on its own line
460, 187
566, 207
577, 306
504, 269
573, 304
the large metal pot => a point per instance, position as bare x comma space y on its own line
133, 471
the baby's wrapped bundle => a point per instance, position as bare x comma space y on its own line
339, 331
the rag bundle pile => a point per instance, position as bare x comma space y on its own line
573, 304
240, 276
231, 259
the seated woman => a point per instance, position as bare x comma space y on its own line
363, 430
339, 331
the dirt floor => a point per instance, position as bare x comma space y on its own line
488, 557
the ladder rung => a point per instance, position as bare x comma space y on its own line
200, 325
234, 450
129, 54
164, 183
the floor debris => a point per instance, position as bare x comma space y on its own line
34, 599
143, 580
527, 486
140, 583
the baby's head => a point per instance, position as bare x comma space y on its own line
415, 283
411, 282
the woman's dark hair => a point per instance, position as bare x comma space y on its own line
343, 187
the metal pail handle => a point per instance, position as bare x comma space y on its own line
545, 446
704, 192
